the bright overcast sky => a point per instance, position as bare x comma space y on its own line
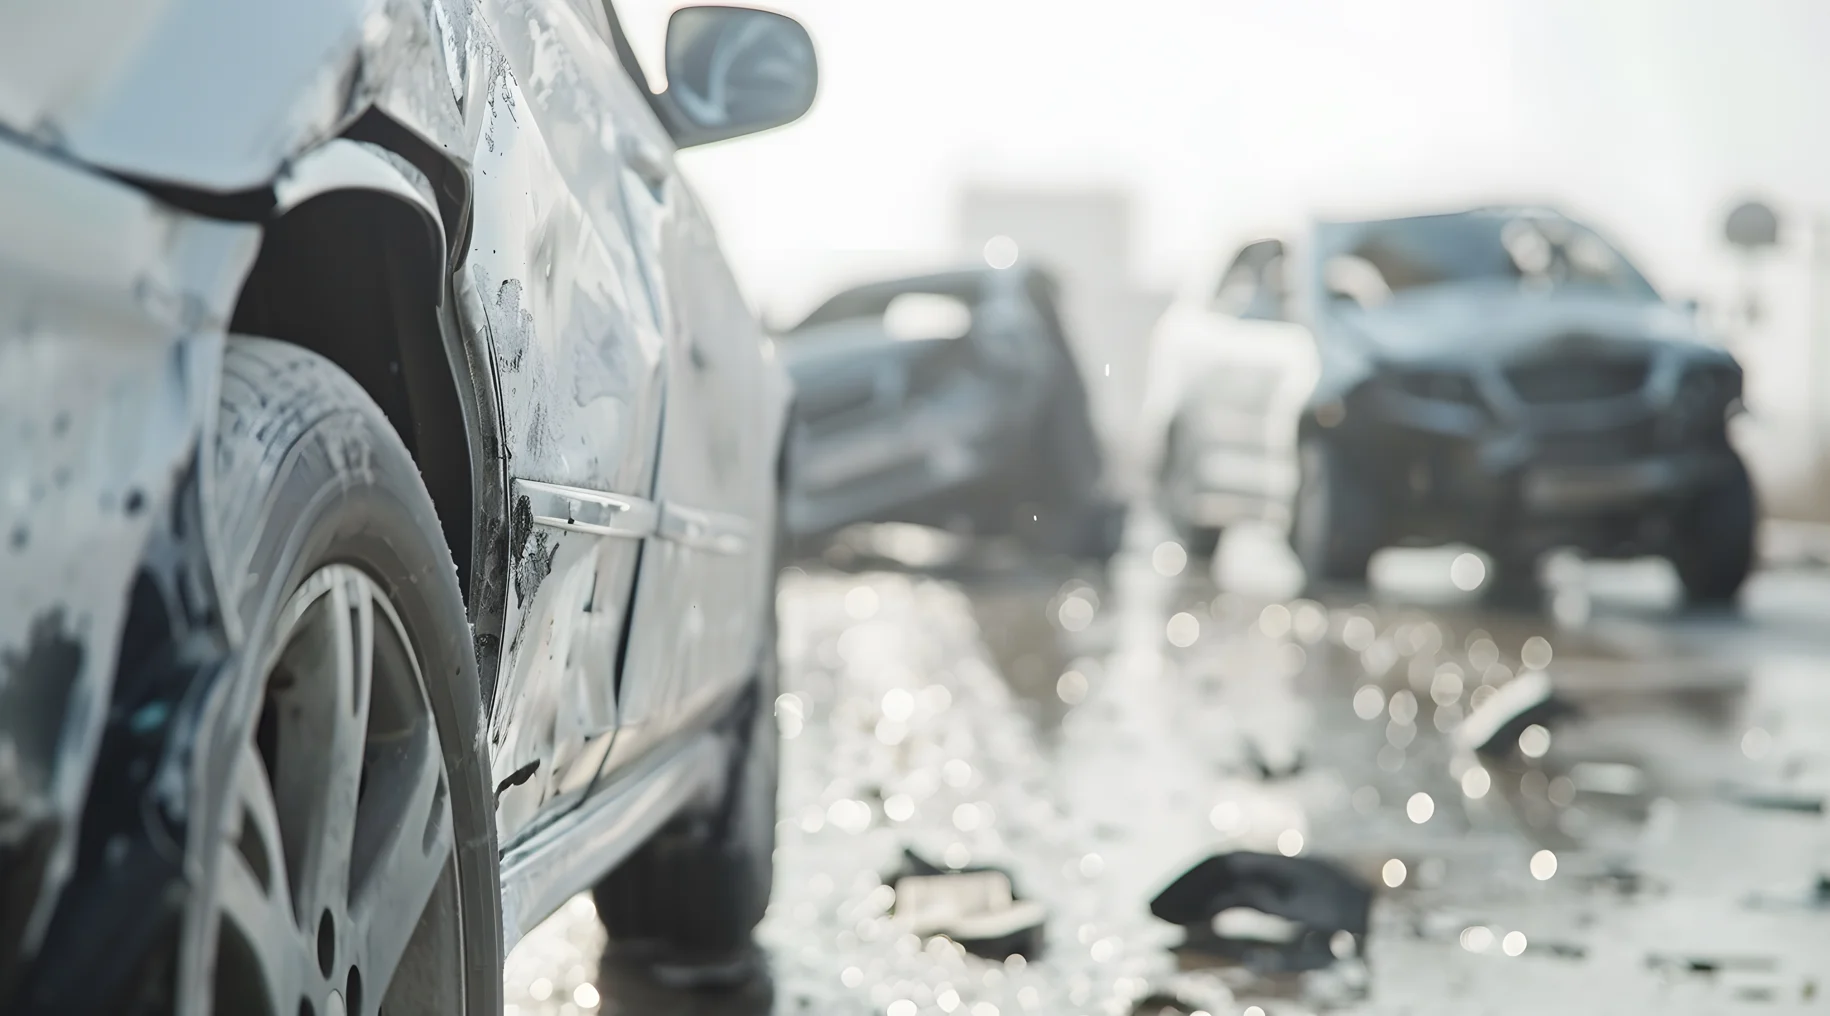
1222, 116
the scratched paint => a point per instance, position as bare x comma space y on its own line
592, 325
104, 349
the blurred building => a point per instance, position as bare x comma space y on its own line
1086, 237
1772, 310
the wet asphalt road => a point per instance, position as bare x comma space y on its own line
1095, 735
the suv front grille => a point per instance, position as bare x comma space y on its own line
1439, 386
1600, 447
1567, 379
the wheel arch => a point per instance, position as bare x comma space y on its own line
353, 266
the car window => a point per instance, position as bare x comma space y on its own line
876, 300
917, 316
1533, 249
1254, 286
908, 316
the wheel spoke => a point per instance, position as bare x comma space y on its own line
356, 833
403, 846
259, 948
320, 698
403, 832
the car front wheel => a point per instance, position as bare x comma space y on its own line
1334, 529
348, 861
1714, 547
681, 910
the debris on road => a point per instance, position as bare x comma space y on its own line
976, 907
1274, 760
1814, 895
1163, 1005
1267, 911
1775, 797
936, 778
1623, 879
1494, 727
1710, 963
1561, 950
1617, 779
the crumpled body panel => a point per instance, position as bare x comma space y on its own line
110, 315
219, 94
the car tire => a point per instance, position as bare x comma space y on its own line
1514, 581
348, 860
1714, 548
1201, 542
683, 908
1334, 528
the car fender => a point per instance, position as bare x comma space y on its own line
112, 309
219, 95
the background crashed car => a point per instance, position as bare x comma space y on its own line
332, 660
951, 401
1500, 376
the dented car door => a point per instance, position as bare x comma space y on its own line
578, 356
713, 551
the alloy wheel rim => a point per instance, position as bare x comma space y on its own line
336, 885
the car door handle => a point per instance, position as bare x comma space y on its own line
648, 163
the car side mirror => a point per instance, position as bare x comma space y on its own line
733, 71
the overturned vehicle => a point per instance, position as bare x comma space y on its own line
951, 401
1501, 377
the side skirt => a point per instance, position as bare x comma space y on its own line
542, 872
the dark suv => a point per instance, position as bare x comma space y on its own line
1501, 377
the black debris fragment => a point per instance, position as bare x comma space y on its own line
1303, 889
1775, 798
1560, 949
1161, 1005
1710, 964
1274, 762
976, 907
1492, 729
1626, 880
1812, 894
1309, 913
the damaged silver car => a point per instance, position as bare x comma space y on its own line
387, 500
1501, 376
